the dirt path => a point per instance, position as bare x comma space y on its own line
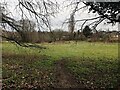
64, 79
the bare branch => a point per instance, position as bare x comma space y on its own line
23, 44
83, 24
88, 19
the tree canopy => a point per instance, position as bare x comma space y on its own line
107, 10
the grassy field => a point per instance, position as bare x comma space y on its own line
81, 65
58, 50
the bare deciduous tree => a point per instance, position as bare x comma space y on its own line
40, 10
109, 11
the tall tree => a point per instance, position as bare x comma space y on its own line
71, 22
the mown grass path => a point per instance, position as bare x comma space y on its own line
64, 79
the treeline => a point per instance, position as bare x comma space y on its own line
60, 35
27, 33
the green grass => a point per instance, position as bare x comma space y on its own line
94, 64
59, 50
14, 49
82, 49
101, 73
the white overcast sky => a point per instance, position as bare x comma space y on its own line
63, 15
